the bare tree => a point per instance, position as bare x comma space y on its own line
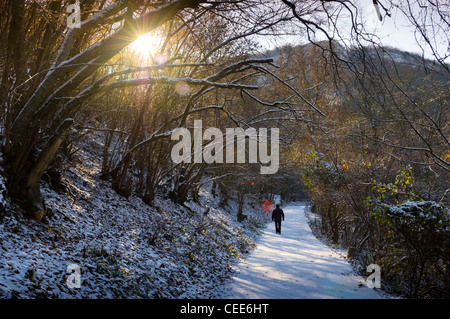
34, 114
40, 102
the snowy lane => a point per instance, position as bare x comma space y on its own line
296, 265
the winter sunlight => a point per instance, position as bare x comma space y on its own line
145, 47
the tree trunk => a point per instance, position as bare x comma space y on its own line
41, 110
30, 196
240, 215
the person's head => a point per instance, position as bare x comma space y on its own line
278, 205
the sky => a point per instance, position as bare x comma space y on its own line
394, 31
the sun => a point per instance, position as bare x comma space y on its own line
145, 47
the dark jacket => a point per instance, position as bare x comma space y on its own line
277, 214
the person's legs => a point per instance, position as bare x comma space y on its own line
278, 227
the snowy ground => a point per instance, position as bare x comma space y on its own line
124, 248
296, 265
127, 249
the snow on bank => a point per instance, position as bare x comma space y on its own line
296, 265
125, 248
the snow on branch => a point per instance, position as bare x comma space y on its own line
167, 80
100, 52
75, 33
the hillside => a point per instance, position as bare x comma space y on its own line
124, 248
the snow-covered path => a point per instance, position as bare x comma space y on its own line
295, 265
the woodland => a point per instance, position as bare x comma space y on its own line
363, 127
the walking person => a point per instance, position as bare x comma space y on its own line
277, 216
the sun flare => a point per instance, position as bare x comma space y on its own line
145, 46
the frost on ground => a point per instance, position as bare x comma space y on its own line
296, 265
125, 248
